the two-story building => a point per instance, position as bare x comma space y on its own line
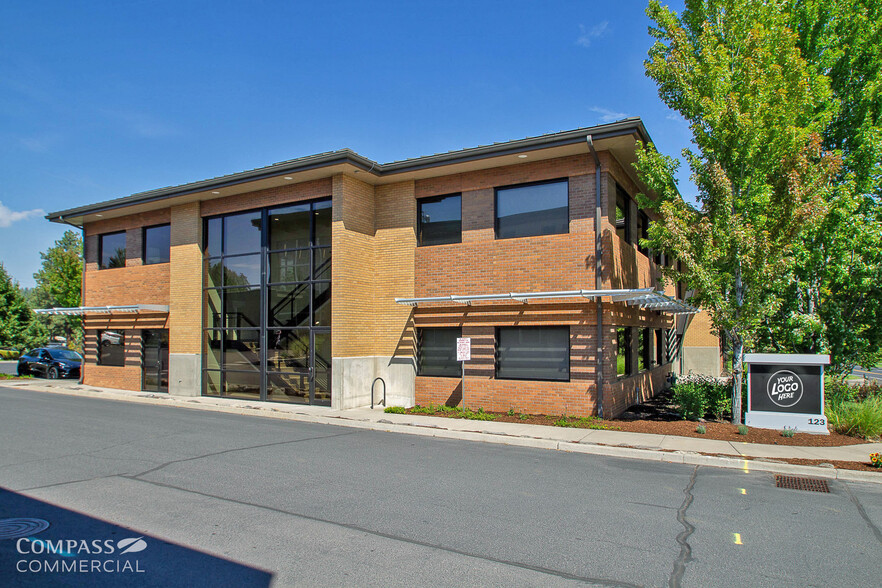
306, 280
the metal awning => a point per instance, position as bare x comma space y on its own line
647, 298
125, 309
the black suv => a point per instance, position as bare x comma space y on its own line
50, 362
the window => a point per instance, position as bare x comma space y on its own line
436, 355
111, 348
157, 243
111, 250
533, 209
623, 351
533, 353
642, 231
623, 214
440, 220
644, 350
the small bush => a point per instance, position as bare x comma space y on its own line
395, 410
742, 429
523, 416
858, 419
701, 429
423, 409
788, 433
476, 415
699, 396
8, 354
511, 412
876, 459
448, 409
691, 398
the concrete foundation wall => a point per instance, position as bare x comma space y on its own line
702, 360
352, 378
185, 374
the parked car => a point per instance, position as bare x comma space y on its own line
50, 362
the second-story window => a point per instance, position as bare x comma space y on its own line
623, 215
157, 244
642, 231
533, 209
112, 250
440, 220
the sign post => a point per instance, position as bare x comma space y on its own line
463, 354
786, 391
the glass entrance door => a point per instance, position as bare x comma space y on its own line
154, 366
298, 366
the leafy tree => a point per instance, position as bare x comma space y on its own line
756, 110
834, 301
59, 283
15, 315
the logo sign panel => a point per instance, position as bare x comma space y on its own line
786, 392
463, 349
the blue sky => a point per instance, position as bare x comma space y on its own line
104, 99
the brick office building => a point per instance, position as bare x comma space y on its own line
306, 280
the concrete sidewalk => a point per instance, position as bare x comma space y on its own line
666, 448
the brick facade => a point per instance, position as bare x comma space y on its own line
376, 259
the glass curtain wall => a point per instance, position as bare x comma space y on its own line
268, 304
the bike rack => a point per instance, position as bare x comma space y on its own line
372, 391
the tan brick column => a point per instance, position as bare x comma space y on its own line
185, 301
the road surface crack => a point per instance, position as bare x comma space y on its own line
685, 549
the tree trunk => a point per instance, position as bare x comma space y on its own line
738, 369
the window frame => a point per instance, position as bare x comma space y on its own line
626, 208
431, 199
122, 343
564, 180
144, 244
496, 362
628, 351
101, 249
419, 352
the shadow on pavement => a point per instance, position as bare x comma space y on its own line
45, 545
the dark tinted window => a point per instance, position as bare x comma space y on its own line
157, 244
111, 348
436, 355
536, 209
213, 236
660, 347
241, 307
112, 250
241, 270
642, 231
440, 220
242, 233
322, 216
289, 227
64, 354
623, 351
623, 215
533, 353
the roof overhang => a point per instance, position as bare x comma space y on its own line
617, 137
124, 309
645, 298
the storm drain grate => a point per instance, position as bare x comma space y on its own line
797, 483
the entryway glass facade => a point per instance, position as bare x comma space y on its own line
267, 310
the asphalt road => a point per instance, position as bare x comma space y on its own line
224, 500
873, 373
8, 367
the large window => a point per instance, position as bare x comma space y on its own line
112, 250
623, 214
623, 351
157, 244
532, 209
111, 348
440, 220
268, 304
436, 355
533, 353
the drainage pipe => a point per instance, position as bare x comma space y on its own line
598, 273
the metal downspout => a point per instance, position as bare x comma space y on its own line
598, 273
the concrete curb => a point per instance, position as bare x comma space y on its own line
302, 414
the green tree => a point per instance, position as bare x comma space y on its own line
59, 283
833, 302
756, 110
15, 315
